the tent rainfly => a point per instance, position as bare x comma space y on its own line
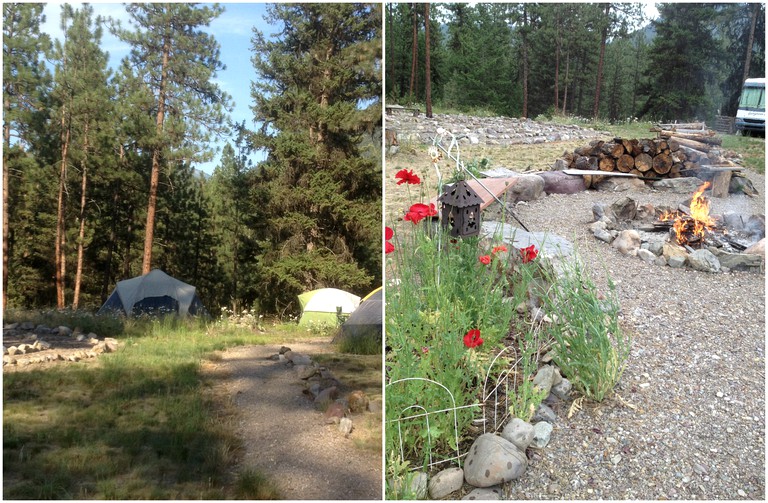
320, 306
366, 320
153, 293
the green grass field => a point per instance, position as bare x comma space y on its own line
141, 423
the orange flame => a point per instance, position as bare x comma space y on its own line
694, 227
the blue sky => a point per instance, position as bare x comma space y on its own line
233, 30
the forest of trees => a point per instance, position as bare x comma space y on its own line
593, 60
99, 178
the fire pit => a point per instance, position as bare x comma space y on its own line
688, 235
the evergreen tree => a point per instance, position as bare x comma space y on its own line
82, 101
178, 62
316, 97
684, 63
24, 76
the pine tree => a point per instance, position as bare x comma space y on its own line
316, 97
83, 102
178, 61
23, 77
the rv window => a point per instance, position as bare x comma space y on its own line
753, 98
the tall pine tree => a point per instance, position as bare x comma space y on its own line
178, 61
316, 97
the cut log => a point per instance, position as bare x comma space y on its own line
674, 172
661, 145
674, 146
643, 162
692, 154
627, 146
612, 149
637, 148
662, 164
704, 136
625, 163
696, 145
607, 163
683, 125
581, 162
649, 147
583, 151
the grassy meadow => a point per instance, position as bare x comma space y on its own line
139, 423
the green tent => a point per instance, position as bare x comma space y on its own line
321, 306
366, 320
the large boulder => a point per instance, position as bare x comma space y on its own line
557, 182
526, 188
493, 460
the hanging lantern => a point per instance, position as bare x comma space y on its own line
460, 209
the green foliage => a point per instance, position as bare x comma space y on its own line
322, 195
252, 485
752, 150
590, 347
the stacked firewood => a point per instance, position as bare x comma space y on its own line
647, 158
677, 151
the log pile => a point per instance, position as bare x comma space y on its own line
648, 159
678, 150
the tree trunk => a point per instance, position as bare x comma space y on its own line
59, 251
6, 180
149, 235
81, 233
604, 37
557, 60
748, 56
428, 68
525, 63
565, 86
414, 50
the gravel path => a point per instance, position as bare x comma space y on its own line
696, 375
690, 423
284, 437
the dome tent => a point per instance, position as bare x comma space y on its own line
366, 320
320, 306
153, 293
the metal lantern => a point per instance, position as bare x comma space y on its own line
460, 209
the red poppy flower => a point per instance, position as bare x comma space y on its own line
529, 253
485, 259
497, 249
407, 176
424, 349
388, 247
472, 338
419, 211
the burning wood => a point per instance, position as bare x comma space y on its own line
691, 229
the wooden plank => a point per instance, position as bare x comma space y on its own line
576, 172
720, 183
492, 187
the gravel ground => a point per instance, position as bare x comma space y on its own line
696, 376
284, 437
690, 423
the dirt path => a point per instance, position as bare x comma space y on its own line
284, 436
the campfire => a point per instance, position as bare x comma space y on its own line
691, 228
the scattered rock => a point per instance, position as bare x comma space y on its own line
446, 482
542, 432
334, 413
625, 209
305, 371
545, 413
757, 249
493, 460
627, 242
621, 184
646, 256
544, 378
283, 350
484, 494
557, 182
358, 402
327, 395
526, 188
519, 433
345, 426
704, 261
738, 261
562, 390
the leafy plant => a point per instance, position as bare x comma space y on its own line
589, 345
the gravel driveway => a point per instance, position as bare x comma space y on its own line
284, 437
696, 375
